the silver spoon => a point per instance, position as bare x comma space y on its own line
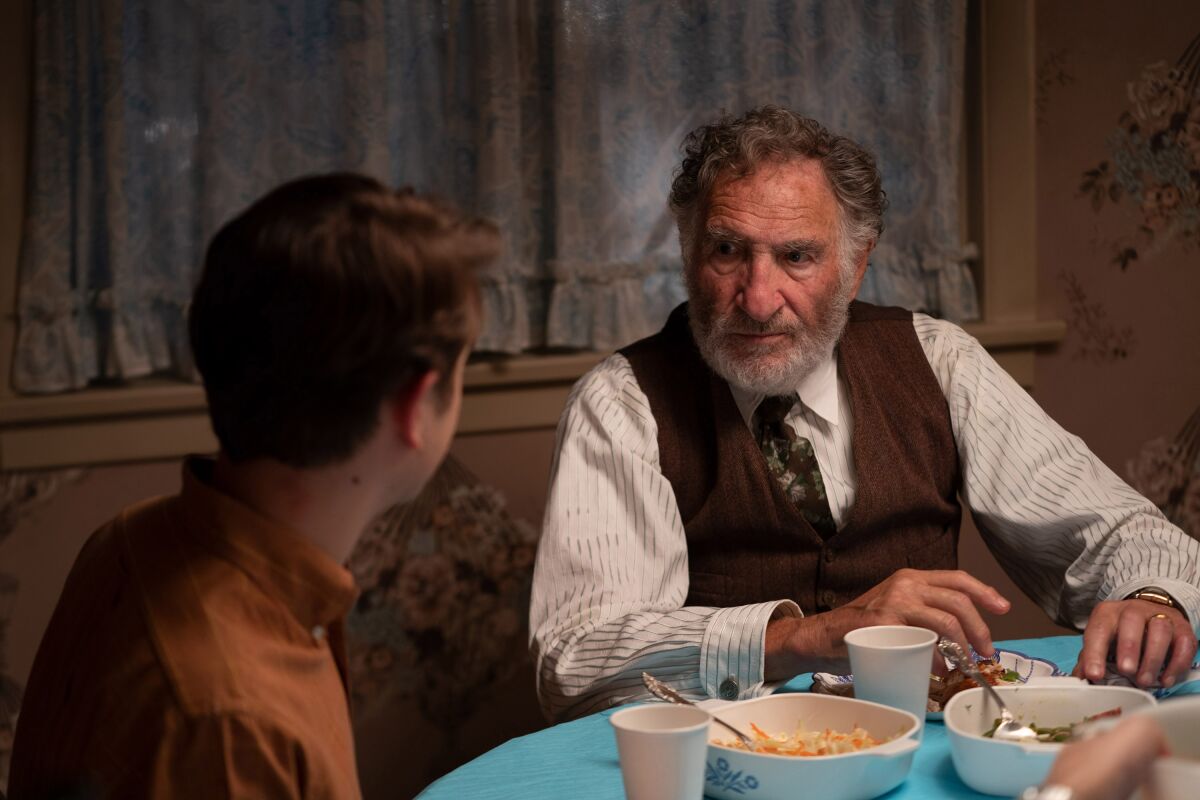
664, 692
1008, 729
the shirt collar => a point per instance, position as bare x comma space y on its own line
315, 588
818, 391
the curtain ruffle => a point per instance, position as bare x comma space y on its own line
52, 355
507, 313
933, 280
150, 337
142, 337
606, 306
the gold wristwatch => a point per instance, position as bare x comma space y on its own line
1153, 594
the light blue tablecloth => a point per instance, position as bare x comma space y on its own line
579, 759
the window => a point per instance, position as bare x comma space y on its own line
166, 418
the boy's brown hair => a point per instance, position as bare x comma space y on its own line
323, 299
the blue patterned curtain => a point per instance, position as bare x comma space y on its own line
154, 122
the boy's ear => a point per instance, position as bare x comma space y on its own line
410, 405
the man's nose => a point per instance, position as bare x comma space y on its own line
760, 297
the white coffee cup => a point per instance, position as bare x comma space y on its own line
662, 750
891, 666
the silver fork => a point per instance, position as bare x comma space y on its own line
664, 692
1008, 729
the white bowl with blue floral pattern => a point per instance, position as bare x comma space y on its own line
734, 774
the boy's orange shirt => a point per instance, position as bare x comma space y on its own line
197, 650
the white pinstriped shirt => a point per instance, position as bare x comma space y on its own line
612, 565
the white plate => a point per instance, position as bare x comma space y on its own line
1026, 667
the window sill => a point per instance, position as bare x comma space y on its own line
162, 419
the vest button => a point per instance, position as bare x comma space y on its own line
827, 598
828, 553
728, 689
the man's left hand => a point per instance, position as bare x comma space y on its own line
1145, 633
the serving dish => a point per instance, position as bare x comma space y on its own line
733, 774
1024, 666
1006, 768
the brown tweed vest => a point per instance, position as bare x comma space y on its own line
747, 543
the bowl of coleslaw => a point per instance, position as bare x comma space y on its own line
836, 748
1053, 708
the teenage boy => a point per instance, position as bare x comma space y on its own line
197, 649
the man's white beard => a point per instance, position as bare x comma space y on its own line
770, 370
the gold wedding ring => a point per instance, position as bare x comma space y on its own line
1159, 616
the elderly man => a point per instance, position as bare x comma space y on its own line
781, 464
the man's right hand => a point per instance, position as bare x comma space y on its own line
944, 601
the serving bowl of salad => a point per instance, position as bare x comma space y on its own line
836, 748
1053, 709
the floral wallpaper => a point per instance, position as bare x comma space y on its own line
1095, 336
1118, 114
1053, 71
1154, 161
19, 493
442, 618
10, 690
1153, 166
1167, 471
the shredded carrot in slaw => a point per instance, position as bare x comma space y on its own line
807, 743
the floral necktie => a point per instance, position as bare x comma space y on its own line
793, 463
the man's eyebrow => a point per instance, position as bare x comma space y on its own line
802, 246
813, 247
723, 235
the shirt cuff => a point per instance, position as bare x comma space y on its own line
1186, 595
733, 647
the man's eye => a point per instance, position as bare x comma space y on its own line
726, 248
797, 257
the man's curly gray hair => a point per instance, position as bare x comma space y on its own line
737, 145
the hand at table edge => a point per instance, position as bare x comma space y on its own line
944, 601
1145, 634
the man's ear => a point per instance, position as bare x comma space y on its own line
409, 407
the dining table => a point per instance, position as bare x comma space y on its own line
578, 759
